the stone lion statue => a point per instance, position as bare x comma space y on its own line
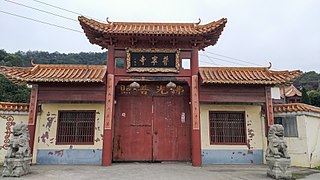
277, 147
19, 143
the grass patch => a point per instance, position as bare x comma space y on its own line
298, 175
317, 168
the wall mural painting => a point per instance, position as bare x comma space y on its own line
10, 122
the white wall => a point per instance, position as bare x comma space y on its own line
313, 139
297, 146
305, 149
7, 121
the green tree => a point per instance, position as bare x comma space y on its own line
10, 92
308, 80
315, 97
305, 97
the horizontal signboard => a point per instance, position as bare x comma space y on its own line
153, 60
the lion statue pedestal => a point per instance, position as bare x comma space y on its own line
277, 156
18, 159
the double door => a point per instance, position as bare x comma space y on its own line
152, 128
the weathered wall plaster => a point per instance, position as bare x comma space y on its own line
250, 153
46, 151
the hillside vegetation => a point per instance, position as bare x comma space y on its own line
10, 92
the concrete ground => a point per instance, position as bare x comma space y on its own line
159, 171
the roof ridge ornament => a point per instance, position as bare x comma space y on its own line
109, 22
270, 65
32, 62
197, 23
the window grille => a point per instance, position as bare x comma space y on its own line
289, 124
76, 127
227, 127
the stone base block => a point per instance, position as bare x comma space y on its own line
16, 167
279, 168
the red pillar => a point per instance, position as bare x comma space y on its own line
109, 109
195, 109
32, 121
269, 108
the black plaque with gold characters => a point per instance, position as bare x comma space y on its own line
153, 60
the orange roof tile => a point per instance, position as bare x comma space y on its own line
209, 32
245, 75
8, 106
295, 107
292, 91
55, 73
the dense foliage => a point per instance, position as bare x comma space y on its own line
305, 97
309, 82
40, 57
10, 92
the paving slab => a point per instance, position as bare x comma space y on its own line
157, 171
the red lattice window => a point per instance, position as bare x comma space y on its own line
76, 127
227, 127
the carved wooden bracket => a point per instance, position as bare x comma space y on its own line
153, 41
133, 41
173, 42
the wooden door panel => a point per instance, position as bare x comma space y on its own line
171, 133
133, 129
152, 128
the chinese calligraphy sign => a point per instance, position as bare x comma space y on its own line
153, 90
153, 60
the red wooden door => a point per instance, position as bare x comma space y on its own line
133, 129
171, 127
152, 129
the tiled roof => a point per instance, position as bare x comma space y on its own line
295, 107
208, 32
20, 107
55, 73
151, 28
245, 75
292, 91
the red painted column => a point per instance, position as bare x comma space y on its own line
32, 121
195, 110
269, 108
109, 110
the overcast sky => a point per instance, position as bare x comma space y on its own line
284, 32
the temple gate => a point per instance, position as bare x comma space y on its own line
152, 101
